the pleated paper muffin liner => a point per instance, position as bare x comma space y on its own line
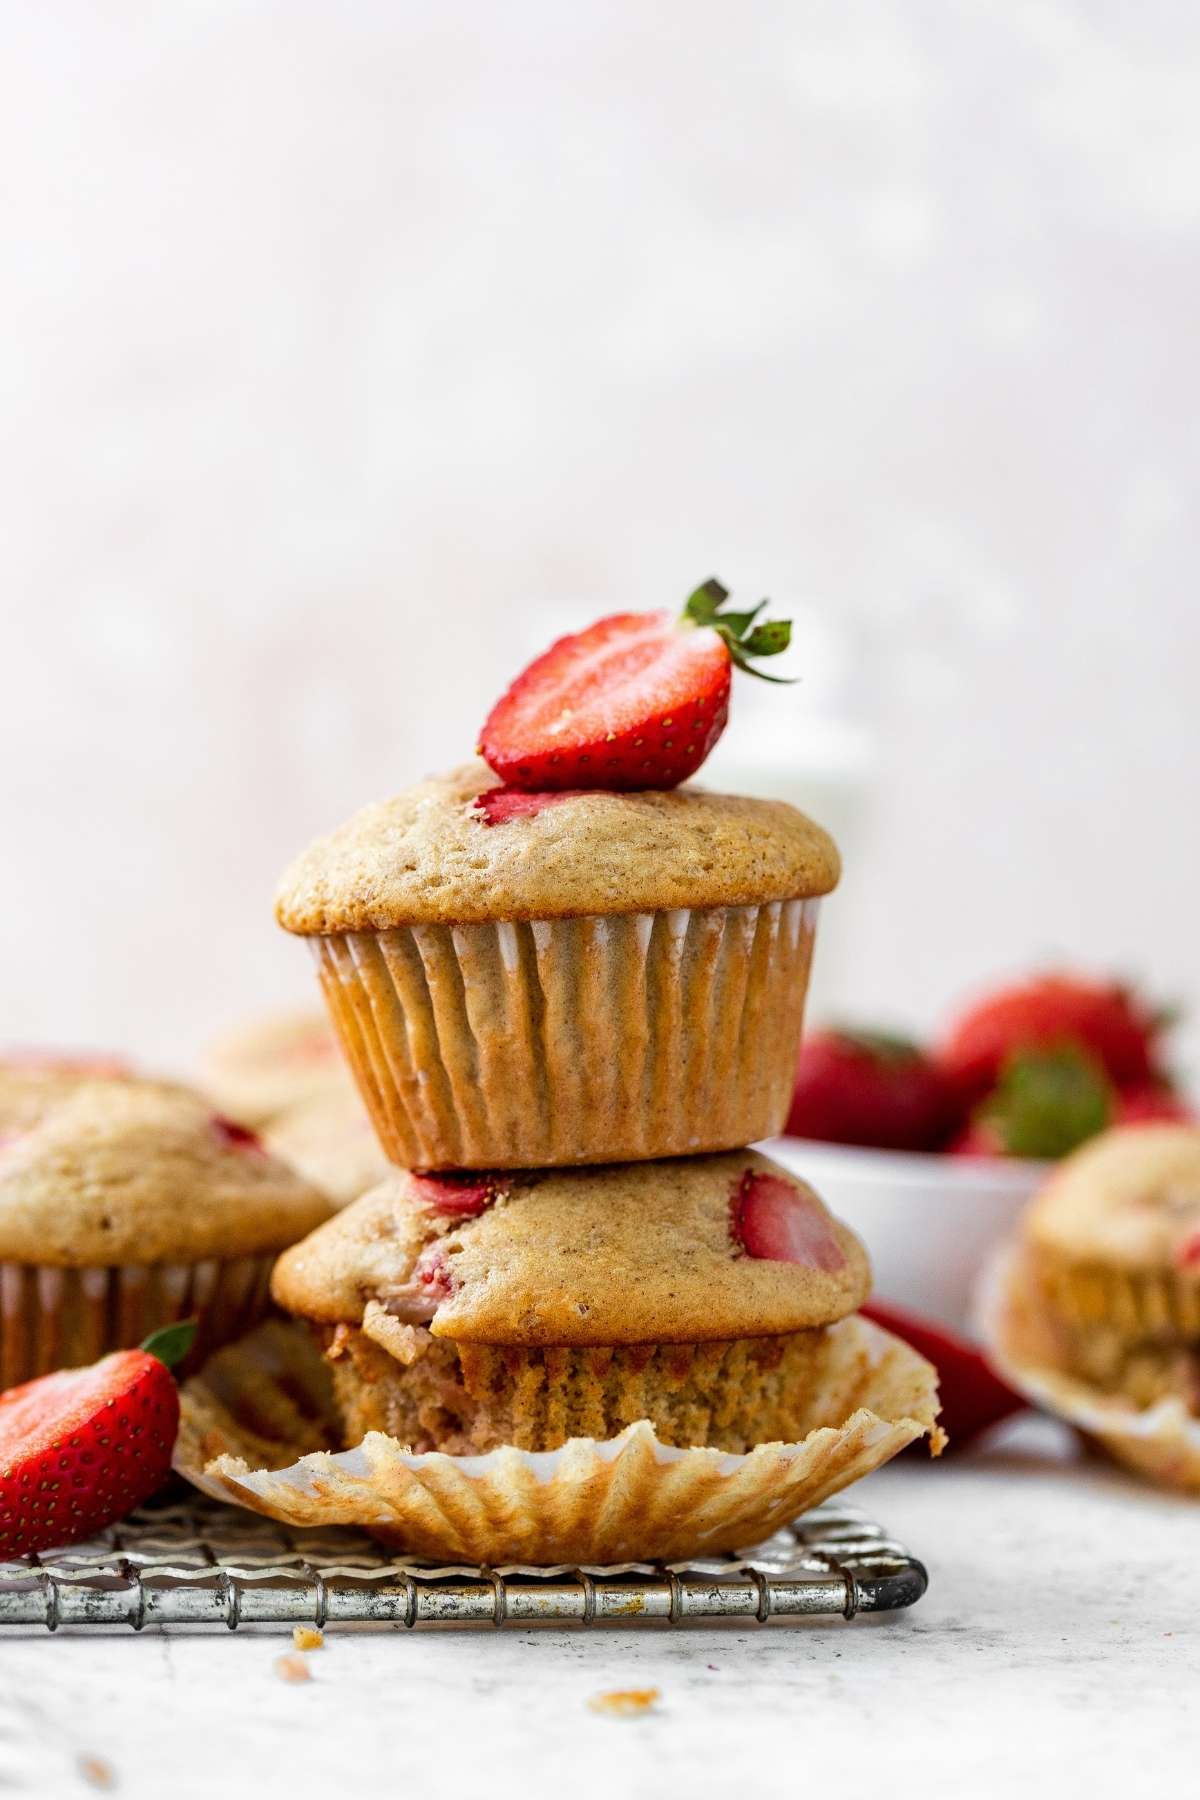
1161, 1441
543, 1043
258, 1422
55, 1318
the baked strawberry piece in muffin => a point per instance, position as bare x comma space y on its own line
461, 1314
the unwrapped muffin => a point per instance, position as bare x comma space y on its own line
534, 980
1113, 1250
461, 1313
1095, 1310
128, 1205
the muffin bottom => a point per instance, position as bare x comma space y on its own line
466, 1399
1133, 1335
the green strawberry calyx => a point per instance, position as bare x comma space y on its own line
1048, 1102
171, 1343
742, 637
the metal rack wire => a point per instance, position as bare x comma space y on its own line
197, 1563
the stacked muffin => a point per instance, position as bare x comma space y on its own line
609, 979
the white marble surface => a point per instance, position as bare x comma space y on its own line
1056, 1653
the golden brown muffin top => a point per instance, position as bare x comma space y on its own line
268, 1065
1129, 1199
34, 1080
429, 856
685, 1251
135, 1172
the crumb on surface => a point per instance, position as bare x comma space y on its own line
292, 1668
625, 1703
307, 1637
96, 1772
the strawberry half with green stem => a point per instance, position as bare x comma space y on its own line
82, 1447
636, 701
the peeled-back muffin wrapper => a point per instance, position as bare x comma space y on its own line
541, 1043
54, 1318
257, 1422
1161, 1441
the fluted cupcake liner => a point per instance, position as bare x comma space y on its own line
54, 1318
1026, 1346
549, 1042
253, 1422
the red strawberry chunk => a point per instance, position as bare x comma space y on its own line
81, 1448
772, 1219
233, 1136
459, 1196
499, 805
1187, 1256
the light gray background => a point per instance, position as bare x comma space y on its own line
346, 352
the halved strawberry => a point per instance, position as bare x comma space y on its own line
973, 1398
82, 1447
636, 701
780, 1221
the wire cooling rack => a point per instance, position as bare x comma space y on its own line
199, 1563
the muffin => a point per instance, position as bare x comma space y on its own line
330, 1140
274, 1065
461, 1313
535, 980
1112, 1250
130, 1204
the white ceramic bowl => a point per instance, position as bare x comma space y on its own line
928, 1222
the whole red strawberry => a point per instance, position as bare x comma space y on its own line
636, 701
857, 1087
82, 1447
973, 1398
1152, 1105
1101, 1018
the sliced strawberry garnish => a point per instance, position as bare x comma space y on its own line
775, 1220
500, 804
459, 1195
81, 1448
636, 701
972, 1397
